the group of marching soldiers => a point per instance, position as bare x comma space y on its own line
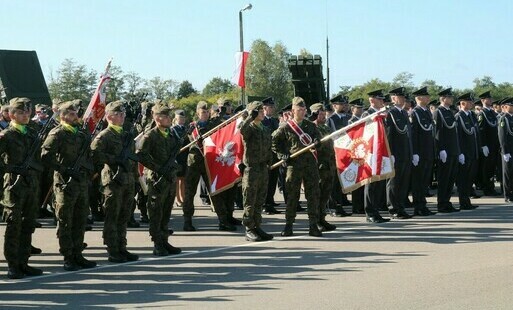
80, 163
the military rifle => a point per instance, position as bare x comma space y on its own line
126, 152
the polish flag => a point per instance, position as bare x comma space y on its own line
241, 59
96, 108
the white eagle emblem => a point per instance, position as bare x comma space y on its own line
226, 156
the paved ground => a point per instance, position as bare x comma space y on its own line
457, 261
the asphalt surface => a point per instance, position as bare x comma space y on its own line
456, 261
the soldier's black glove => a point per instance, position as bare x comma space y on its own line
286, 160
190, 129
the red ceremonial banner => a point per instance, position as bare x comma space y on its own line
223, 153
96, 108
363, 154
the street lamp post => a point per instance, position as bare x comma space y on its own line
241, 32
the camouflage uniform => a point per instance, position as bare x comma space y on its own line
257, 158
155, 150
117, 177
60, 151
301, 169
195, 170
20, 208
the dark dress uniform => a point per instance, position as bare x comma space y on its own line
117, 180
488, 131
301, 169
157, 148
20, 208
257, 158
506, 144
62, 148
469, 142
398, 130
446, 137
423, 144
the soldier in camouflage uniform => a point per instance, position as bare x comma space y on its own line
157, 152
118, 176
326, 164
196, 168
290, 137
62, 148
20, 209
257, 158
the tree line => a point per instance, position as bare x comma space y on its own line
267, 74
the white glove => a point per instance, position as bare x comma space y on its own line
392, 158
415, 160
461, 159
486, 151
443, 156
506, 157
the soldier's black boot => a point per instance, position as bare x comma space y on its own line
287, 231
159, 249
171, 249
70, 264
34, 250
234, 221
30, 271
187, 224
265, 236
83, 262
314, 231
129, 256
325, 226
14, 272
116, 257
252, 235
226, 226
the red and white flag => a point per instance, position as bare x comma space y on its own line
96, 108
223, 153
241, 59
363, 154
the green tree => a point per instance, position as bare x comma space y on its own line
404, 79
159, 88
267, 72
217, 86
116, 88
134, 84
185, 89
73, 81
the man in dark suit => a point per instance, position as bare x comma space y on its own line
470, 146
374, 192
272, 123
398, 130
446, 136
506, 147
423, 145
488, 130
337, 120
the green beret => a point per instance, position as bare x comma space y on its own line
162, 109
78, 103
56, 102
316, 107
255, 105
180, 113
299, 102
115, 106
20, 103
203, 105
147, 105
67, 106
224, 102
5, 108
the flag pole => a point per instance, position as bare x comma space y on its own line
334, 135
213, 130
